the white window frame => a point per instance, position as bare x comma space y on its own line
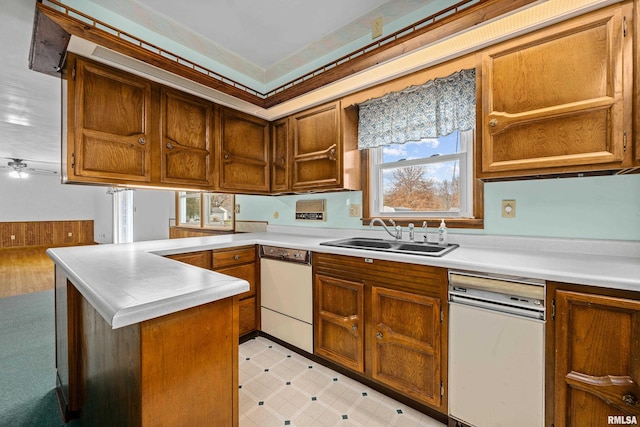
123, 213
203, 201
465, 158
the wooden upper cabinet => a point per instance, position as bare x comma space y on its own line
186, 139
109, 115
636, 64
559, 100
406, 343
325, 155
123, 129
280, 149
597, 366
243, 154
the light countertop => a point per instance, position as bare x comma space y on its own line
130, 283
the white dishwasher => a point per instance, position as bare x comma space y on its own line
286, 295
496, 350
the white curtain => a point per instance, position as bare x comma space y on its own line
433, 109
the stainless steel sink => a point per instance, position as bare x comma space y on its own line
396, 246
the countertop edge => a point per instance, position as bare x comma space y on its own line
604, 271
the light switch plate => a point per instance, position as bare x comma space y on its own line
376, 28
508, 209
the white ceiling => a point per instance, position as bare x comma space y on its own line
263, 40
29, 101
266, 31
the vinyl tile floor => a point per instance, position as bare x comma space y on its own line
279, 387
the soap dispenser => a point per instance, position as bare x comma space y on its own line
442, 233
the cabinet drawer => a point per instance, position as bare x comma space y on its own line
200, 259
235, 256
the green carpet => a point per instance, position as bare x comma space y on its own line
27, 362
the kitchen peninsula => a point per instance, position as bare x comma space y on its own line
144, 340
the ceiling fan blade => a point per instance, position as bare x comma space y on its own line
41, 171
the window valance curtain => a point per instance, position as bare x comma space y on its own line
433, 109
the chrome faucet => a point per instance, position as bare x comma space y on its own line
411, 236
424, 227
396, 228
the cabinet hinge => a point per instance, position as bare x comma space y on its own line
624, 27
441, 316
73, 72
624, 140
553, 309
441, 389
73, 161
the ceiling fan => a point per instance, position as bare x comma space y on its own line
19, 169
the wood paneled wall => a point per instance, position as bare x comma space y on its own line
45, 233
180, 232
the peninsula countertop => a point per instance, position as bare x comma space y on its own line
130, 283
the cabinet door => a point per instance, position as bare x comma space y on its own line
246, 272
317, 148
597, 359
406, 343
110, 124
280, 156
339, 322
555, 101
244, 152
186, 147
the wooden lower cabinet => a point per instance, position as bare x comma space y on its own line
597, 358
237, 262
176, 369
241, 262
405, 338
339, 321
386, 322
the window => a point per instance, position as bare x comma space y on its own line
206, 210
122, 215
419, 144
427, 178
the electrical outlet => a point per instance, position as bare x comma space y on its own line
237, 208
69, 234
354, 210
13, 237
508, 209
376, 28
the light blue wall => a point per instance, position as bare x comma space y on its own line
606, 207
263, 208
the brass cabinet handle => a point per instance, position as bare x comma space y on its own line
236, 257
142, 141
493, 123
282, 161
226, 157
354, 328
379, 335
169, 145
630, 399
